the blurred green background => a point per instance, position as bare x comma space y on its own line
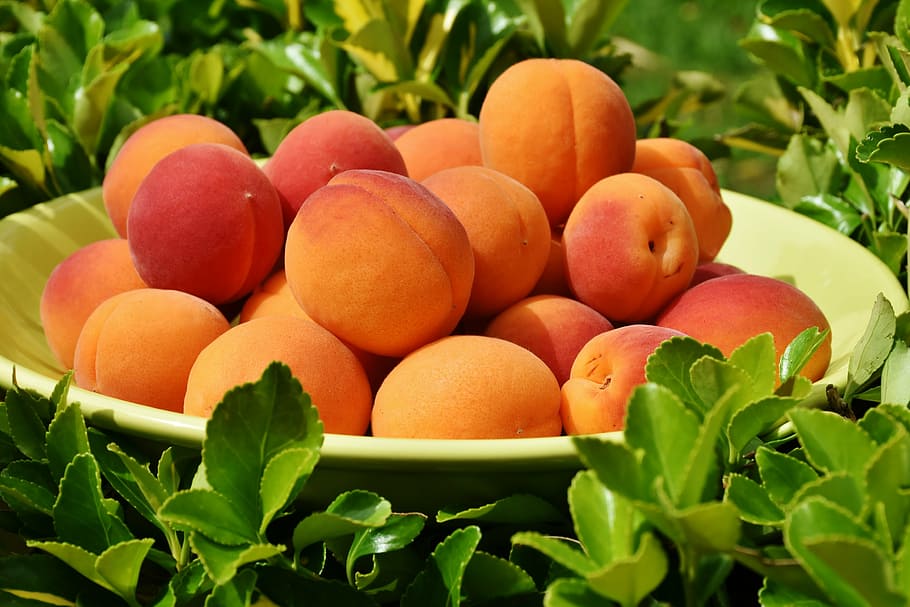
703, 36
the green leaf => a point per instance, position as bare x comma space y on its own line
630, 579
292, 589
222, 562
895, 381
776, 594
547, 23
889, 144
754, 420
347, 514
799, 351
281, 479
302, 57
831, 442
873, 348
660, 425
398, 531
670, 363
26, 413
710, 526
380, 50
807, 17
572, 592
81, 516
211, 514
838, 488
616, 465
782, 52
441, 581
887, 476
30, 573
517, 509
488, 577
606, 523
831, 210
561, 550
782, 475
588, 20
840, 555
236, 592
806, 168
758, 359
66, 438
753, 502
239, 445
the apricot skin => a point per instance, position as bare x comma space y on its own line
216, 237
380, 261
630, 247
551, 326
325, 145
145, 147
558, 126
139, 345
605, 372
77, 285
439, 144
327, 369
508, 230
468, 387
726, 311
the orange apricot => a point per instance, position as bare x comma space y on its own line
145, 147
326, 369
664, 152
139, 345
558, 126
508, 230
380, 261
77, 285
551, 326
605, 372
468, 387
711, 216
630, 247
439, 144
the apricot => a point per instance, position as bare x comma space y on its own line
206, 220
323, 146
274, 298
326, 368
553, 280
713, 269
664, 152
139, 345
558, 126
77, 285
711, 216
145, 147
630, 247
726, 311
508, 230
551, 326
605, 372
439, 144
468, 387
380, 261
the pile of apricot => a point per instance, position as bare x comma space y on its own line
504, 277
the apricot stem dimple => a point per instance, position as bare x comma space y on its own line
651, 245
606, 382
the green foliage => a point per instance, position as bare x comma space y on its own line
832, 106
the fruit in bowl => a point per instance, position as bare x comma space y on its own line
377, 205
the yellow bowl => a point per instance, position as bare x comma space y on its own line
839, 274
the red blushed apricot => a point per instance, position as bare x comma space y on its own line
380, 261
145, 147
726, 311
207, 221
711, 216
323, 146
713, 269
508, 230
605, 371
664, 152
553, 279
77, 285
630, 247
439, 144
139, 345
551, 326
326, 369
558, 126
468, 387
